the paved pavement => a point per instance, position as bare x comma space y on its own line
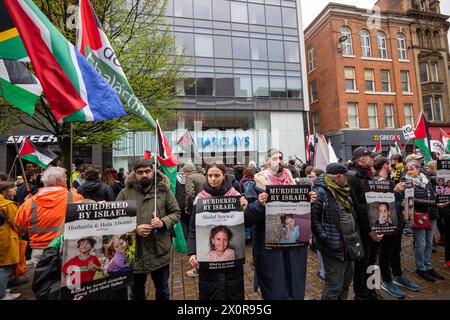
185, 288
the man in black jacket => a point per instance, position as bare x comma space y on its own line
362, 163
22, 191
93, 188
332, 217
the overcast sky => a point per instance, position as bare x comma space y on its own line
311, 8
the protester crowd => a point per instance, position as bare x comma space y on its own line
34, 209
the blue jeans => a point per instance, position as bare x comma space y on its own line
160, 279
423, 246
5, 272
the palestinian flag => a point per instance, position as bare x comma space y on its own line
31, 153
11, 46
421, 138
94, 45
398, 148
378, 149
445, 140
74, 89
169, 164
19, 87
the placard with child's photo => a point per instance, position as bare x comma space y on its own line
99, 247
220, 233
288, 216
382, 213
408, 201
443, 181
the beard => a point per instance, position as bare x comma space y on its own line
276, 169
146, 182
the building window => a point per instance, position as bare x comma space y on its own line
427, 107
316, 122
273, 16
224, 85
275, 50
353, 121
289, 17
258, 49
203, 45
434, 72
278, 87
242, 86
409, 114
241, 48
438, 109
369, 80
291, 52
221, 10
402, 55
312, 58
424, 74
294, 88
260, 86
313, 91
406, 86
222, 47
205, 85
382, 45
372, 113
184, 41
365, 44
256, 14
202, 9
347, 46
239, 12
389, 115
183, 8
385, 81
350, 79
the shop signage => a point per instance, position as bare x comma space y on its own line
384, 137
48, 139
230, 140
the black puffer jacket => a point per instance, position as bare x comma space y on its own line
357, 193
324, 220
425, 200
97, 191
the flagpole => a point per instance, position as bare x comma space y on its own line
156, 163
71, 153
12, 167
14, 139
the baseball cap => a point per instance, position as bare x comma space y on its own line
414, 157
361, 152
339, 168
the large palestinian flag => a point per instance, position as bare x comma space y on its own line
421, 138
31, 153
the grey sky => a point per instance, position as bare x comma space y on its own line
311, 8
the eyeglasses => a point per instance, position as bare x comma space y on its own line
141, 172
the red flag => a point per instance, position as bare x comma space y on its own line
147, 155
378, 149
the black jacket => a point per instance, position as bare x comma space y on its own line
324, 222
425, 200
96, 190
357, 193
22, 192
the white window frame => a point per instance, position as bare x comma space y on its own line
376, 115
401, 43
366, 44
392, 115
409, 119
312, 58
347, 45
311, 91
407, 78
354, 79
373, 80
389, 80
357, 114
434, 72
382, 45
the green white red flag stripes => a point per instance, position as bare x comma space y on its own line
378, 149
31, 153
94, 45
74, 89
445, 140
421, 138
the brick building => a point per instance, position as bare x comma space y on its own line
363, 74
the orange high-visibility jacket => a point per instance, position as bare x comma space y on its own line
43, 215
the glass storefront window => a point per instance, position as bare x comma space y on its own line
258, 49
202, 9
256, 14
243, 86
277, 87
291, 52
241, 48
275, 49
185, 87
221, 10
203, 45
222, 47
260, 86
273, 16
289, 17
224, 85
184, 41
183, 8
294, 88
239, 12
